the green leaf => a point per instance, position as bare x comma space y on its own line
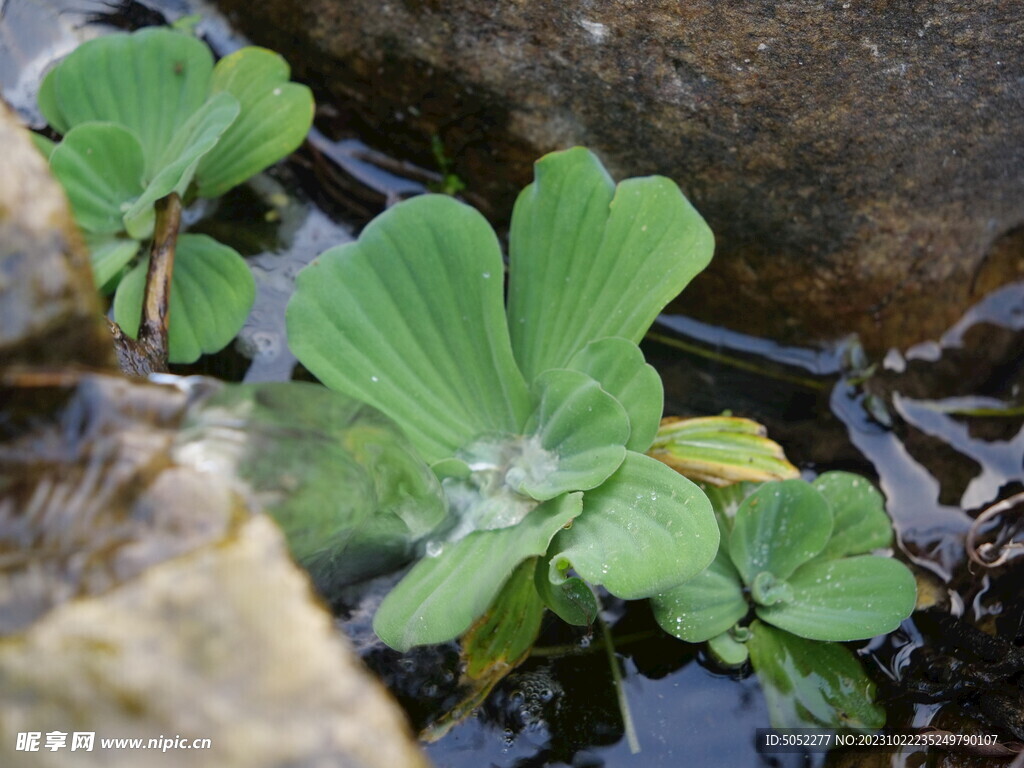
777, 528
403, 486
619, 367
108, 255
571, 599
338, 476
643, 531
584, 428
849, 599
727, 650
409, 319
178, 161
48, 104
444, 594
557, 227
212, 291
150, 82
503, 637
100, 166
706, 605
275, 118
858, 511
585, 264
721, 450
807, 683
499, 642
726, 500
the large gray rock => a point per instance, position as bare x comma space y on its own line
859, 162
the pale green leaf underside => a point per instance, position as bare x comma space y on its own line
728, 650
571, 599
643, 531
777, 528
809, 684
583, 426
338, 476
275, 117
860, 523
619, 367
849, 599
409, 319
212, 291
705, 606
100, 166
108, 255
442, 596
585, 265
197, 136
150, 82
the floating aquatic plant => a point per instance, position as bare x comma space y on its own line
147, 115
797, 554
534, 415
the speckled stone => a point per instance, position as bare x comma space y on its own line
862, 163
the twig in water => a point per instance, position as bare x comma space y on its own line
982, 554
620, 691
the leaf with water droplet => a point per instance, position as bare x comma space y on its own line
853, 598
442, 596
779, 527
811, 684
704, 606
634, 545
860, 523
574, 222
619, 367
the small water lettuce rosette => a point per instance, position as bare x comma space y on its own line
534, 415
146, 114
797, 553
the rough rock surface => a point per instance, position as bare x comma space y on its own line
45, 314
222, 644
858, 161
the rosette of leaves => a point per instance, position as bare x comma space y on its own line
796, 553
535, 415
147, 114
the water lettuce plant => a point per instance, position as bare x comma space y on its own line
147, 115
797, 554
534, 414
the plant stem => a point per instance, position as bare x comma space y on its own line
574, 649
149, 353
156, 300
620, 692
735, 362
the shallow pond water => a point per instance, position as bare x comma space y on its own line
938, 426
